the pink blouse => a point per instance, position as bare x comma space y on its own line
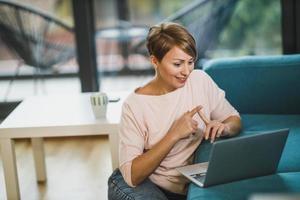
146, 119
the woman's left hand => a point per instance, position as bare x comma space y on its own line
215, 129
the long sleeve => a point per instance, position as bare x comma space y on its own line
131, 142
220, 108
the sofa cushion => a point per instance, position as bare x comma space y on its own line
252, 124
259, 84
290, 159
243, 189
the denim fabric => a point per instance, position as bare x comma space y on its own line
119, 190
171, 195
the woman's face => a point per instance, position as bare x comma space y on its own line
174, 69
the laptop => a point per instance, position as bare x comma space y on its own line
239, 158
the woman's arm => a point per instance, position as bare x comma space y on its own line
220, 108
143, 165
233, 126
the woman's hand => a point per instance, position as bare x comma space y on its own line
185, 125
215, 129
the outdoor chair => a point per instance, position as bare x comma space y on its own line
36, 38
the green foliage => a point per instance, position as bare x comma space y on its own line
255, 28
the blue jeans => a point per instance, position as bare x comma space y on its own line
119, 190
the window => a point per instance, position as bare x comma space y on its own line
254, 29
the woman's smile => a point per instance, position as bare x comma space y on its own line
181, 80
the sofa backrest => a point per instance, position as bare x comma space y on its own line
259, 84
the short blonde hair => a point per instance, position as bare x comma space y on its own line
163, 37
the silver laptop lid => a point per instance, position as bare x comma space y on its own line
245, 157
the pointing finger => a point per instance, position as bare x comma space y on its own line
202, 116
194, 111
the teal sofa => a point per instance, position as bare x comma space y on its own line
266, 92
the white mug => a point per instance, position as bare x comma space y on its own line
99, 103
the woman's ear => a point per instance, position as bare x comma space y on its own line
154, 61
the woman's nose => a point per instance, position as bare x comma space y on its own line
186, 70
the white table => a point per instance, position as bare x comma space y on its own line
53, 116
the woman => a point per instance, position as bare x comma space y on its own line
165, 120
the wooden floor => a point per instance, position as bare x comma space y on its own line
77, 168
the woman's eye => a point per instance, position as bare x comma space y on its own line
176, 64
191, 62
